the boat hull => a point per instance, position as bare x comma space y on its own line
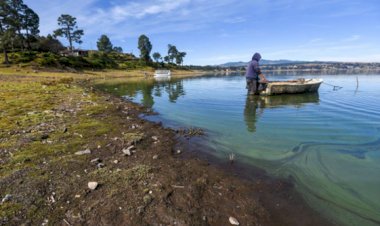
292, 87
162, 74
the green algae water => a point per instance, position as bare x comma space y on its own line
327, 142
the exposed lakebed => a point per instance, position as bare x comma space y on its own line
328, 143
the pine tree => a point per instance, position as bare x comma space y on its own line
69, 30
145, 47
104, 44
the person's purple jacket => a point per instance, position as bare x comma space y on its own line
253, 69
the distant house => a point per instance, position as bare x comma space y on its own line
74, 52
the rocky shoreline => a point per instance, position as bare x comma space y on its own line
72, 155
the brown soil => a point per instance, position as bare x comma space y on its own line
155, 185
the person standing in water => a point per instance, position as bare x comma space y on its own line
254, 76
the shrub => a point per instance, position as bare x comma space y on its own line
23, 57
47, 59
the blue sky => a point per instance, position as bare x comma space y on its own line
219, 31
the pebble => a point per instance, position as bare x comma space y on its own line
87, 151
233, 221
45, 222
127, 151
155, 138
100, 165
7, 198
155, 156
92, 185
96, 160
116, 161
178, 151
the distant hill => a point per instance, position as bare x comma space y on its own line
262, 62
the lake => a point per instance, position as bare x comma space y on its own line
328, 143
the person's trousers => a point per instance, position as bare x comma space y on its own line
252, 86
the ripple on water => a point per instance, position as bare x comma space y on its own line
341, 176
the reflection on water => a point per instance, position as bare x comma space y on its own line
328, 143
147, 89
255, 105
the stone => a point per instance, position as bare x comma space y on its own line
45, 222
7, 198
100, 165
233, 221
178, 151
92, 185
116, 161
85, 152
155, 156
127, 151
96, 160
155, 138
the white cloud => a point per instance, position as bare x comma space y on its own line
141, 9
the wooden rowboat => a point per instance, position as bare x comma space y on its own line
291, 87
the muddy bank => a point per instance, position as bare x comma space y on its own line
59, 135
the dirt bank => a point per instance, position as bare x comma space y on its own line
58, 135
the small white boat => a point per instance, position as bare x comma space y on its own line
162, 74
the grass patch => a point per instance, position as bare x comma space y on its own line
9, 209
124, 177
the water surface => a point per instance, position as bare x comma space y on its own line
328, 142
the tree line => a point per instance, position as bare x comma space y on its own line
19, 26
19, 31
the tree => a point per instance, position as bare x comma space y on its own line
5, 29
145, 47
49, 44
179, 57
172, 52
157, 57
69, 30
16, 11
30, 23
17, 21
167, 59
104, 44
118, 49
